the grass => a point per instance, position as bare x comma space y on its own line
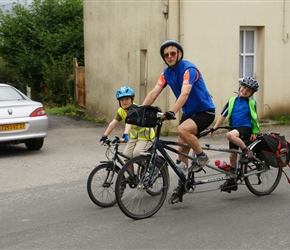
281, 119
67, 110
71, 110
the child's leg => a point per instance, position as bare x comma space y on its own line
233, 159
141, 146
237, 138
128, 151
234, 137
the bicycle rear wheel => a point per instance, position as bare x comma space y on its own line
101, 184
262, 183
140, 196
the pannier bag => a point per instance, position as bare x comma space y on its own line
274, 150
144, 116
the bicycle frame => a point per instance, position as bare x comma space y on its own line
143, 196
116, 157
163, 145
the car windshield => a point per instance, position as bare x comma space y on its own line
9, 94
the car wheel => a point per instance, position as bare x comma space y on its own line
34, 144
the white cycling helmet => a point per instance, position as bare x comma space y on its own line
250, 83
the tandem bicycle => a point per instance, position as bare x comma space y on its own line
137, 203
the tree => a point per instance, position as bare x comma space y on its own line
46, 33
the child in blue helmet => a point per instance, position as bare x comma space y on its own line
139, 138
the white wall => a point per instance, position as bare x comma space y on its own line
116, 31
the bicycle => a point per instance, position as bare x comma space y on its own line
260, 178
102, 179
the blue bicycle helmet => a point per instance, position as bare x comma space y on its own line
168, 43
250, 83
125, 92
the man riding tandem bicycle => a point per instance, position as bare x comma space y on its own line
260, 177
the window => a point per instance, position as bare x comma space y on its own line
247, 53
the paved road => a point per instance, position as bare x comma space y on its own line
44, 203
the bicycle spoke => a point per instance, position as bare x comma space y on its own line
101, 185
141, 201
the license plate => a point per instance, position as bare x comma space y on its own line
9, 127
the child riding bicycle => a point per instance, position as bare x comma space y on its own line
242, 114
139, 138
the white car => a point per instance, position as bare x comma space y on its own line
22, 120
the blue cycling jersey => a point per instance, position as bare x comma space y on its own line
199, 99
241, 116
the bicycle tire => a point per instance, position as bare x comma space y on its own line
102, 194
134, 200
263, 183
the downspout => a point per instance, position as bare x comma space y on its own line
166, 13
180, 22
285, 35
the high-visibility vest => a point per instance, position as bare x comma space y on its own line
137, 132
253, 112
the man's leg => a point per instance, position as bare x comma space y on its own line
187, 132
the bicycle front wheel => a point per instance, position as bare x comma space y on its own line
262, 183
141, 195
101, 184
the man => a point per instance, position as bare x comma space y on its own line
192, 97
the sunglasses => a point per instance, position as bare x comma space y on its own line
172, 54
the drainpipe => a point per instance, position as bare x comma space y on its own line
166, 13
285, 35
180, 22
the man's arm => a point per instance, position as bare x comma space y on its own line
185, 90
152, 95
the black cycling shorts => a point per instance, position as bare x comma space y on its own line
245, 134
202, 120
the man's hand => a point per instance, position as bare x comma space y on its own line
169, 115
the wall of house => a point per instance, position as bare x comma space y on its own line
211, 41
118, 35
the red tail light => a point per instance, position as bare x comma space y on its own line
38, 112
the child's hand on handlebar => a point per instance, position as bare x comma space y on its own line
212, 132
103, 139
125, 138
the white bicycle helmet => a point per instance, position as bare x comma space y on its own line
250, 83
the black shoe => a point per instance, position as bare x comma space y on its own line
245, 157
132, 181
177, 195
229, 186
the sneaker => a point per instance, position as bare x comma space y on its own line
245, 157
177, 195
202, 161
229, 186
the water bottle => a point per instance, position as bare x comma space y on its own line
222, 164
181, 166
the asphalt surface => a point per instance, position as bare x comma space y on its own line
44, 202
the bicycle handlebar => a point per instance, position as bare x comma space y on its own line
114, 141
160, 114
